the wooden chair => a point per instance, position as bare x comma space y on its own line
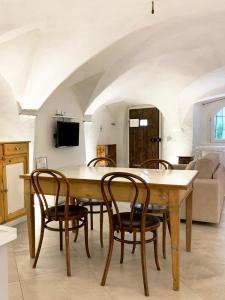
161, 211
98, 161
58, 213
131, 221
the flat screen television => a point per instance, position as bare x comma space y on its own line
67, 134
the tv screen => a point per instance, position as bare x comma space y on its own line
67, 134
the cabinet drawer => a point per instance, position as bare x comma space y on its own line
13, 149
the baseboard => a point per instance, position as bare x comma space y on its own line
16, 221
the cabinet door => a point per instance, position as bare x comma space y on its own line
2, 212
101, 150
112, 152
14, 188
106, 151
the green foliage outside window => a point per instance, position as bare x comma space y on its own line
219, 125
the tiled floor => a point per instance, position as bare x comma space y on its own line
202, 271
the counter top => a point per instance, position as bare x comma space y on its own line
7, 234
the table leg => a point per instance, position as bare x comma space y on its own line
188, 202
175, 236
29, 201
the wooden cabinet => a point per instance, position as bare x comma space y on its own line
106, 151
185, 159
14, 161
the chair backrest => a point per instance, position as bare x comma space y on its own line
99, 160
139, 192
155, 163
59, 181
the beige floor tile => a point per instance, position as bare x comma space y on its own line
202, 270
13, 275
15, 292
81, 285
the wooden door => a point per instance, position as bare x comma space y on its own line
144, 135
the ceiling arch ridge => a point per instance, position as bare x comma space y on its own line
16, 58
47, 89
151, 49
139, 34
100, 61
209, 85
160, 91
187, 65
17, 32
85, 69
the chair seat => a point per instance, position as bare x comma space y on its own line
154, 208
87, 201
151, 221
74, 211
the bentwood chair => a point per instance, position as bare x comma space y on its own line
121, 223
63, 214
162, 211
96, 162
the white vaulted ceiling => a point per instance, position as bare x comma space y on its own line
124, 53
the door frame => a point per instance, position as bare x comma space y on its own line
128, 127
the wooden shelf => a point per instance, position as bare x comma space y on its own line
63, 117
109, 151
185, 159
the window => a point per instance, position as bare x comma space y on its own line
219, 125
143, 122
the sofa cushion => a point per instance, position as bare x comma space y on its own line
191, 165
205, 166
215, 157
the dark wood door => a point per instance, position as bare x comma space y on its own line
143, 135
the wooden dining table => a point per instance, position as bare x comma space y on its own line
168, 187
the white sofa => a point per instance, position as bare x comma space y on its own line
208, 189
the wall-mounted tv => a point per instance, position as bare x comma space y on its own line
67, 134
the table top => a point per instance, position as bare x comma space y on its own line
179, 179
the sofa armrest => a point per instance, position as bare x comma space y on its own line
207, 202
205, 188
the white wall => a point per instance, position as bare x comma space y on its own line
64, 101
14, 127
100, 131
175, 141
204, 113
109, 126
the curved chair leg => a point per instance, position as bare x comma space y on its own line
168, 222
86, 236
101, 225
155, 236
134, 239
91, 216
75, 223
108, 260
164, 234
143, 263
67, 243
61, 235
122, 247
76, 202
40, 243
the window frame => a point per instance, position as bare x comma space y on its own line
212, 120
